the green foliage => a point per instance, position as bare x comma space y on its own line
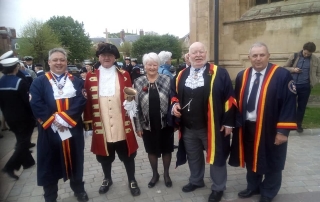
156, 43
311, 117
36, 39
72, 36
316, 90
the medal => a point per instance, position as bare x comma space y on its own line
59, 85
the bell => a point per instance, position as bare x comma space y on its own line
130, 93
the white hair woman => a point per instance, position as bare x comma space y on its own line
151, 122
165, 63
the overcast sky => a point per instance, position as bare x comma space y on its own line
161, 16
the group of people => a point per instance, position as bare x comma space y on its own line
199, 101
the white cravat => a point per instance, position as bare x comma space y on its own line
195, 79
107, 81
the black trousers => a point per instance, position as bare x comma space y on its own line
51, 190
121, 148
21, 156
270, 185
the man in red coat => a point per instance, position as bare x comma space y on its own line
107, 118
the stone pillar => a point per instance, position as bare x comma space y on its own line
107, 35
202, 24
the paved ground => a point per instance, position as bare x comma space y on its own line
301, 177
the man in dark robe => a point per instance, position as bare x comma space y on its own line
203, 100
266, 95
57, 102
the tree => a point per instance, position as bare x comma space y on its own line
125, 48
154, 43
72, 36
36, 39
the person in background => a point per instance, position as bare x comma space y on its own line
57, 101
128, 65
165, 63
14, 103
266, 95
153, 96
136, 71
184, 65
106, 118
29, 63
83, 74
39, 70
29, 71
88, 66
203, 101
304, 67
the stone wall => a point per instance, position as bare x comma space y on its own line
284, 26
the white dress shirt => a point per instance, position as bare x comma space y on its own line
252, 116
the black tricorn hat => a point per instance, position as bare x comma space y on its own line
107, 48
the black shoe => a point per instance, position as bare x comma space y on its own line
134, 189
167, 182
32, 145
151, 184
300, 130
82, 196
265, 199
248, 193
190, 187
105, 186
10, 173
215, 196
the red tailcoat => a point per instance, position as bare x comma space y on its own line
92, 118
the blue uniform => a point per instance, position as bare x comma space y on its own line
14, 104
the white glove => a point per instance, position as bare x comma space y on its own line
131, 107
87, 133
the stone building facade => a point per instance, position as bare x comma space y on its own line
284, 25
6, 37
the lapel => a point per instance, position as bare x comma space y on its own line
246, 94
207, 85
182, 82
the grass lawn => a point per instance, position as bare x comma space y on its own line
312, 117
316, 90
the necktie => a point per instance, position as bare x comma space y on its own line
253, 95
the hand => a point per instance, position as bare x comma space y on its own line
280, 139
297, 70
140, 133
176, 110
60, 127
227, 130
